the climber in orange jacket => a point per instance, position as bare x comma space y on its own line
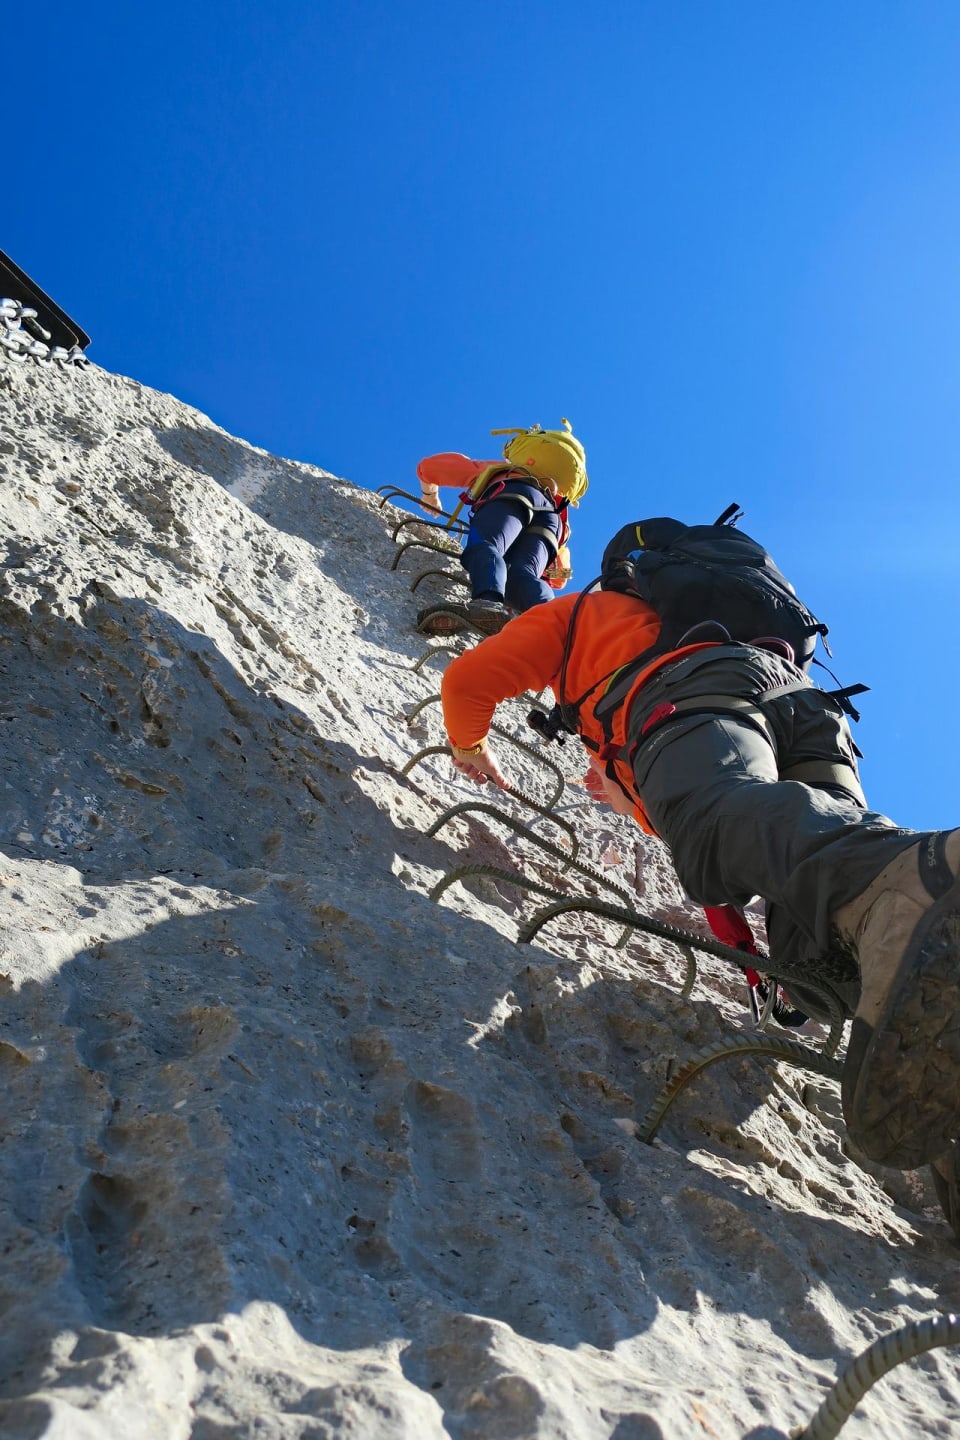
748, 772
529, 655
517, 550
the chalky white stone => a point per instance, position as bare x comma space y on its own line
290, 1151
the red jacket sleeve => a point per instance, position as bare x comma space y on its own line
450, 469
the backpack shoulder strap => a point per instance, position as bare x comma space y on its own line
484, 476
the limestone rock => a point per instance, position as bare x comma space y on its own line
288, 1150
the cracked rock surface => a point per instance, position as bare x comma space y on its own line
290, 1151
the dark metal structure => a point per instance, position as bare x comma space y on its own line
15, 284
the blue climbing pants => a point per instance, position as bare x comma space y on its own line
511, 541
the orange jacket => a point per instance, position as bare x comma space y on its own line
610, 630
451, 470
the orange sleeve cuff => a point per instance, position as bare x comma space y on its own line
449, 469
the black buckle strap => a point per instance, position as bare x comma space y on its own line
842, 697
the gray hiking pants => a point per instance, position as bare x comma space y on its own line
713, 785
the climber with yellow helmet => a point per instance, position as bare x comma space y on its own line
516, 552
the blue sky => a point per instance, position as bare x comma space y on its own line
722, 237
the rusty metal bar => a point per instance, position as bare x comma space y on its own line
770, 1045
447, 575
871, 1365
600, 907
392, 492
505, 734
465, 872
516, 825
418, 520
420, 545
435, 650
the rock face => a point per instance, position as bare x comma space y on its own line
289, 1150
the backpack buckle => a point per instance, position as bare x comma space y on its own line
657, 716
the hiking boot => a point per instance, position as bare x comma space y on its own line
901, 1077
488, 615
441, 620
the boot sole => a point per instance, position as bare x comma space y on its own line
441, 622
489, 625
901, 1081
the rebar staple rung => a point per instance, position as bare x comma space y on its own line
871, 1365
420, 545
544, 809
493, 872
460, 580
515, 825
434, 650
769, 1045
